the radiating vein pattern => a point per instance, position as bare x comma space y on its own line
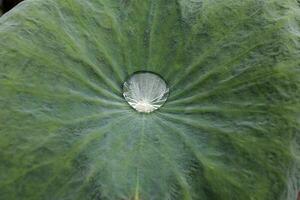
229, 129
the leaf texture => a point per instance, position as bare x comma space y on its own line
228, 131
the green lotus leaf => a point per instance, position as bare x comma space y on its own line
229, 129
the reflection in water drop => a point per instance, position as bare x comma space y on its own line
145, 91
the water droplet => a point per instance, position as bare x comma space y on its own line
145, 91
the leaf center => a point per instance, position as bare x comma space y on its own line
145, 91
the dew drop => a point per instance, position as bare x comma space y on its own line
145, 91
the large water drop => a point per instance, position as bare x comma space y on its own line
145, 91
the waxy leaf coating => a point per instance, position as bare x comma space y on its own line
228, 131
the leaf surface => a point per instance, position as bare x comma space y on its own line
228, 131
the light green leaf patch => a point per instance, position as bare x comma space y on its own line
228, 131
